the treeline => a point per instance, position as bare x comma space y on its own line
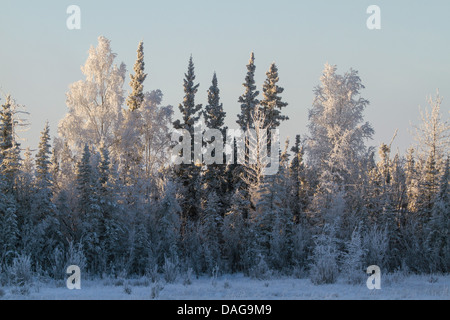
104, 197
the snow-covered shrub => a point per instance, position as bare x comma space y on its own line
170, 270
353, 258
300, 241
156, 290
152, 273
299, 272
2, 293
376, 244
215, 274
20, 273
260, 271
58, 266
3, 277
188, 277
394, 278
127, 288
75, 256
324, 266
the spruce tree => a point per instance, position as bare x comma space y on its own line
189, 174
299, 183
136, 98
43, 164
211, 224
214, 114
411, 181
249, 99
214, 177
438, 239
84, 182
189, 110
89, 211
272, 104
9, 148
9, 230
236, 234
47, 236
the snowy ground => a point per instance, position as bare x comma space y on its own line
238, 287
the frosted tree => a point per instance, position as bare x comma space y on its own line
95, 103
189, 174
84, 182
272, 104
130, 143
9, 230
88, 210
25, 187
214, 114
433, 134
129, 155
324, 266
189, 110
235, 235
157, 123
438, 239
337, 132
376, 245
46, 229
272, 220
44, 178
136, 98
167, 223
214, 176
299, 181
65, 187
211, 224
9, 148
412, 180
433, 146
281, 241
249, 103
353, 259
256, 160
110, 229
249, 99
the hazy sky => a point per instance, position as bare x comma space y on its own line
408, 59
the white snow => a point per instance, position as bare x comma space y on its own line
238, 287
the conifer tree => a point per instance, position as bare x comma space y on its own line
47, 236
43, 164
84, 182
189, 174
249, 99
272, 105
211, 224
299, 184
235, 234
9, 230
9, 148
136, 98
411, 181
438, 239
214, 177
189, 110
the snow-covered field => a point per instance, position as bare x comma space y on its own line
238, 287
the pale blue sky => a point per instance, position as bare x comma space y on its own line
399, 65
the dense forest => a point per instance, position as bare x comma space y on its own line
103, 194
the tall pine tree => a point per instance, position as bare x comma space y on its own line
136, 98
189, 174
272, 104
